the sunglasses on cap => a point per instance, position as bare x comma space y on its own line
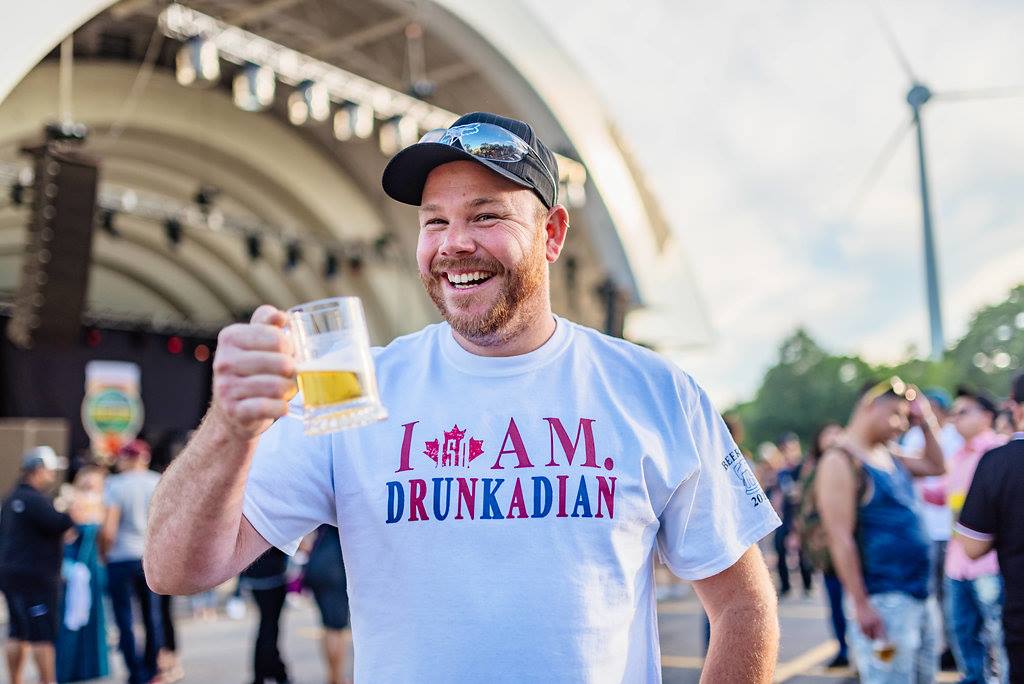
488, 141
894, 386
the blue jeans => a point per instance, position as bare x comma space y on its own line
909, 629
124, 579
834, 588
974, 611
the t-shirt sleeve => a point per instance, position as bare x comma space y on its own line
112, 492
290, 489
45, 517
718, 510
979, 518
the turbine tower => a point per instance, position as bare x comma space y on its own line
919, 95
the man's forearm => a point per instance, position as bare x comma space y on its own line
744, 644
932, 451
846, 563
745, 634
196, 511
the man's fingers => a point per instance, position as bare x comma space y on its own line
258, 386
258, 408
255, 337
269, 315
243, 364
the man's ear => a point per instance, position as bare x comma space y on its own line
556, 229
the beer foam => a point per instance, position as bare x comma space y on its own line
339, 359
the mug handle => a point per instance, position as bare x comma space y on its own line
294, 411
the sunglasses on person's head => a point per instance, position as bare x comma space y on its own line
489, 142
893, 386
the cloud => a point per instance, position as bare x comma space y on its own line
756, 123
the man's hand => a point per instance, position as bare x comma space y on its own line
870, 621
253, 373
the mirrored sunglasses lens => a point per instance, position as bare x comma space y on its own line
434, 135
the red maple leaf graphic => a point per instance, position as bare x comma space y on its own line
431, 450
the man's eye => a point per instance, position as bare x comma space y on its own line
435, 222
485, 217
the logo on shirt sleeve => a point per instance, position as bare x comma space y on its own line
737, 463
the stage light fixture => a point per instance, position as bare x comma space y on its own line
201, 353
175, 345
353, 121
253, 246
172, 228
197, 63
107, 221
309, 102
330, 265
292, 255
397, 133
253, 87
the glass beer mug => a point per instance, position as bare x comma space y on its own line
334, 368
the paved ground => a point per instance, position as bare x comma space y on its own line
218, 650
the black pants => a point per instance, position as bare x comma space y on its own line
167, 615
267, 663
1015, 651
806, 572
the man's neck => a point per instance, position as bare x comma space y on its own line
529, 337
859, 436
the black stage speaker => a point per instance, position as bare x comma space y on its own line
55, 272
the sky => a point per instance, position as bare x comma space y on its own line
757, 123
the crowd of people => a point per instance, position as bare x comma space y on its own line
909, 513
71, 570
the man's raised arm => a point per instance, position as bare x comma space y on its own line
197, 536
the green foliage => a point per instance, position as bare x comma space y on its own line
808, 386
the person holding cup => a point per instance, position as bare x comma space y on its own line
502, 487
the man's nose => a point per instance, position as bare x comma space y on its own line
457, 240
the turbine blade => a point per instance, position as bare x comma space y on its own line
885, 155
980, 94
893, 42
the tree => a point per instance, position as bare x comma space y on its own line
808, 387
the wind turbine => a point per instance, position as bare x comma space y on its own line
917, 97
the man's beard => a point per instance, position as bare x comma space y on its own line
505, 318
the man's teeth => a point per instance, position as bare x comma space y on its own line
467, 278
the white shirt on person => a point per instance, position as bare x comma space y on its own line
500, 526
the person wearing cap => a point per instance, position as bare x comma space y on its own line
31, 550
127, 497
935, 512
974, 588
501, 524
993, 518
878, 546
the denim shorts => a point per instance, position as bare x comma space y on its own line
909, 628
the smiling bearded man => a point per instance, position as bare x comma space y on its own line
502, 524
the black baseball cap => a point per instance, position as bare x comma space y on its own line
980, 398
406, 173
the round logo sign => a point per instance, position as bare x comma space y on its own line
112, 411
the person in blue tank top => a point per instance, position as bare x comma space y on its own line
878, 543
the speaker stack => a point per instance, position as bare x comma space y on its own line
55, 272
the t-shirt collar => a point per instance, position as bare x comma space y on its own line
494, 366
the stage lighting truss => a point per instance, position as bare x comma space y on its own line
178, 220
359, 99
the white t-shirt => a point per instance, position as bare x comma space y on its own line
938, 519
500, 525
